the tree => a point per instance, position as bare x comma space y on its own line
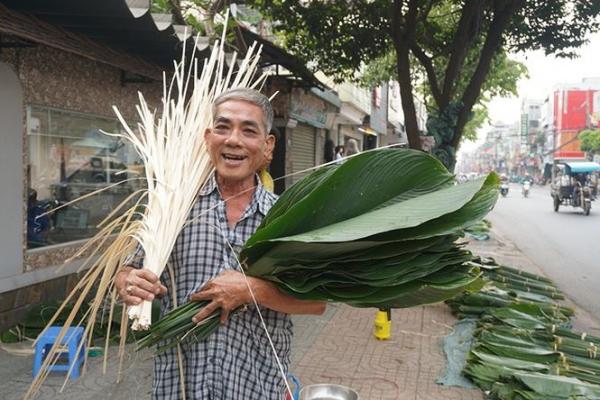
437, 36
200, 15
590, 141
501, 81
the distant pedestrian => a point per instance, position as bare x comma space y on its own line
329, 154
351, 147
339, 154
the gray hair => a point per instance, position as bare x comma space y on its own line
352, 147
252, 96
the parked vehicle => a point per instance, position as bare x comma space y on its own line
572, 185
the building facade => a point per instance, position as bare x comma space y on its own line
571, 109
63, 65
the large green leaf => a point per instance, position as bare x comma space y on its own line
362, 184
560, 386
408, 213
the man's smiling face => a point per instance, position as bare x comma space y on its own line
238, 142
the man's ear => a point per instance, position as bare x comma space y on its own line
207, 132
270, 146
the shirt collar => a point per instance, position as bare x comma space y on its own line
261, 195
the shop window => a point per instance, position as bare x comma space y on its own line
69, 157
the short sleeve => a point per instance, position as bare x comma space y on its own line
135, 259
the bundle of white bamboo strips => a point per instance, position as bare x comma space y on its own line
176, 159
177, 165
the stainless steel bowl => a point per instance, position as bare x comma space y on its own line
328, 392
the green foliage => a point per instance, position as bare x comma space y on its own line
590, 141
480, 117
392, 246
345, 38
160, 6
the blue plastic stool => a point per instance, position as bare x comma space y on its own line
71, 340
295, 383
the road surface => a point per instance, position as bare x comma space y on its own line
566, 245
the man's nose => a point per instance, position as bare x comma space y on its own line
234, 138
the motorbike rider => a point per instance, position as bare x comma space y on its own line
527, 181
503, 184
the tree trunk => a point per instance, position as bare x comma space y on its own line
402, 38
468, 29
406, 95
502, 15
176, 12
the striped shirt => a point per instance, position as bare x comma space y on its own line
236, 362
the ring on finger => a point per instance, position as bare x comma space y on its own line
129, 289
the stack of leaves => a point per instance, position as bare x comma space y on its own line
510, 342
379, 230
508, 287
523, 348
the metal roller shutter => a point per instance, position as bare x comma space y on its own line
303, 149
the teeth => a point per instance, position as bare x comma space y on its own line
232, 157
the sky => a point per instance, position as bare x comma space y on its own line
544, 73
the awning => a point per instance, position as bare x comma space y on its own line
125, 34
581, 167
126, 25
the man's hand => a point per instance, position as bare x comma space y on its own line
227, 291
135, 285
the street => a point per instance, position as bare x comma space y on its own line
566, 245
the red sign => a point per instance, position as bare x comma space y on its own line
577, 155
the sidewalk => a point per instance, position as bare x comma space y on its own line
337, 347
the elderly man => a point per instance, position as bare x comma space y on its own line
236, 362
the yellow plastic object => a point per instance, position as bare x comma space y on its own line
383, 324
266, 180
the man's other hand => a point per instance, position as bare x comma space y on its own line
135, 285
227, 291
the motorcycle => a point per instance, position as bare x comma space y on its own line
504, 189
525, 189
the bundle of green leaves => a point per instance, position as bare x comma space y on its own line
511, 342
509, 287
523, 347
379, 230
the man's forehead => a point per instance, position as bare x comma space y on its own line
239, 110
237, 105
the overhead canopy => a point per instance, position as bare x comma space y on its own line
580, 167
146, 42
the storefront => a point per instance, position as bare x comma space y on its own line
62, 70
56, 101
309, 110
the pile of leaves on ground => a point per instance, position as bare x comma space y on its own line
479, 230
524, 347
379, 230
38, 316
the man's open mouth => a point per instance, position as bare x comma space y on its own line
233, 157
